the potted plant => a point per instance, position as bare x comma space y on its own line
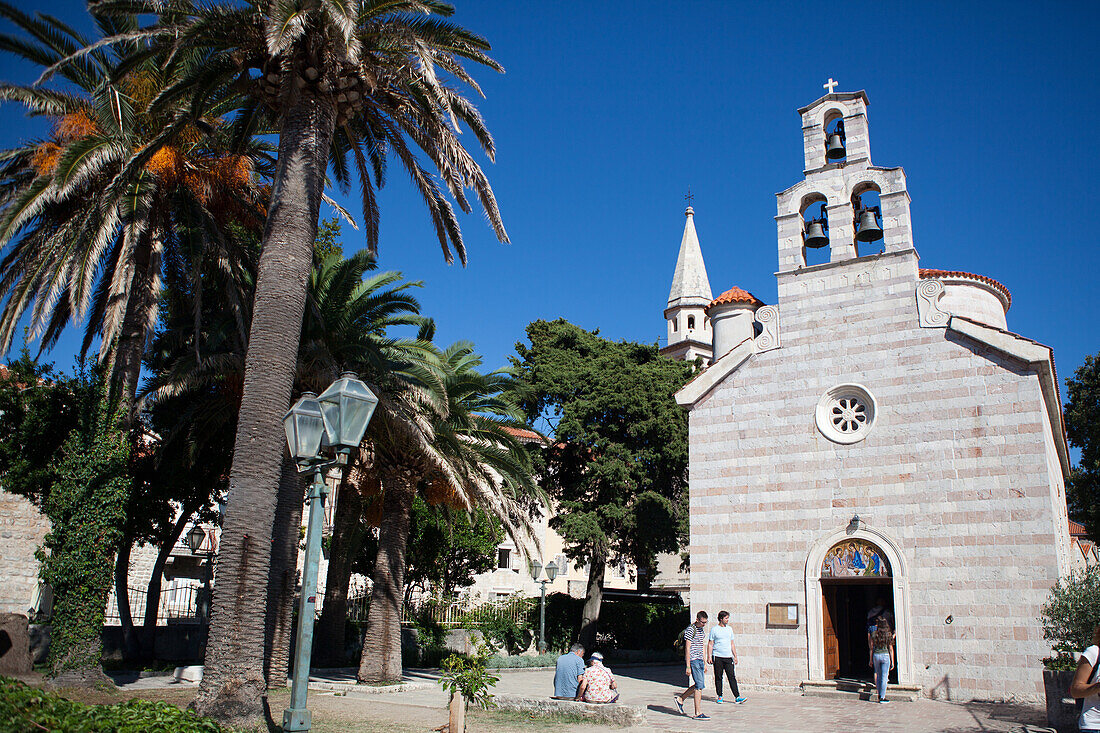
1068, 617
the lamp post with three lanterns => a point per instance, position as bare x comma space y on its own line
338, 419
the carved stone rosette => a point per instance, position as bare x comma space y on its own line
768, 318
929, 314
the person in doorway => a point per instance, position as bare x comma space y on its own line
877, 610
882, 655
1086, 685
597, 682
695, 659
722, 653
568, 672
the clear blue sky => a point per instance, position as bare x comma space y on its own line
608, 112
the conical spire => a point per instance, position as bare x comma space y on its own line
690, 285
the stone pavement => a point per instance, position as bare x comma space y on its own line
773, 712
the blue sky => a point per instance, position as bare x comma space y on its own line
608, 112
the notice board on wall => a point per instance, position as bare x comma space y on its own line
782, 616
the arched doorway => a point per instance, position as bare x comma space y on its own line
848, 573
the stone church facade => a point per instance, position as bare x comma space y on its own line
877, 435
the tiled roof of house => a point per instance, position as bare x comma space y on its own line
735, 295
928, 273
525, 435
1076, 529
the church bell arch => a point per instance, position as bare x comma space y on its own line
858, 529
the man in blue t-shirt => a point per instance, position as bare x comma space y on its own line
723, 655
567, 674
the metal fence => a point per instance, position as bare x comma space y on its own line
452, 614
176, 604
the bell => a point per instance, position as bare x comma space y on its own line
834, 149
815, 234
869, 230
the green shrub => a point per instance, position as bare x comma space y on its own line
541, 660
1071, 612
469, 677
25, 708
622, 625
507, 625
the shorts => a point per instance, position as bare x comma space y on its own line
698, 676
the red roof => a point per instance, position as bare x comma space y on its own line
735, 295
1076, 529
525, 435
924, 272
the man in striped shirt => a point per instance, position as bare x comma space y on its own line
695, 642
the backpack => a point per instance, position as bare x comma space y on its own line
678, 645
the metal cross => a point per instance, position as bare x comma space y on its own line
689, 198
830, 85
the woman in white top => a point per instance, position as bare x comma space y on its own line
1086, 684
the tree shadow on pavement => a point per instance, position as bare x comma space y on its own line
995, 716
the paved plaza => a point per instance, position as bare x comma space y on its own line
422, 707
653, 687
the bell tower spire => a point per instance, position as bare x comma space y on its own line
689, 333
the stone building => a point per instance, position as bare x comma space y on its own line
877, 435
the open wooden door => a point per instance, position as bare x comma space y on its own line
828, 617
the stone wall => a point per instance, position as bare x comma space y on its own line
22, 528
955, 470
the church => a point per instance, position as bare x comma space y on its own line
877, 437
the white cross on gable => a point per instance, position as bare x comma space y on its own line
830, 85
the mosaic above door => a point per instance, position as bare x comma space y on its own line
854, 559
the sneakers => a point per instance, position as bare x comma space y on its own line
883, 700
740, 701
701, 716
679, 703
719, 700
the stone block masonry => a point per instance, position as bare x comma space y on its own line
22, 529
956, 471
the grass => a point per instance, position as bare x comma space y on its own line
362, 714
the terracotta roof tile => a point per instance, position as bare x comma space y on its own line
926, 273
735, 295
525, 435
1077, 529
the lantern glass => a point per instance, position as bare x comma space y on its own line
304, 425
551, 571
348, 405
195, 538
535, 567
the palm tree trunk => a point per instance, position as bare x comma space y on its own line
590, 616
152, 593
234, 681
381, 660
347, 540
283, 574
139, 318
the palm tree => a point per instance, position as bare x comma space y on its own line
347, 84
467, 458
349, 313
88, 214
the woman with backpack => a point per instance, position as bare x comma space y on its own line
882, 656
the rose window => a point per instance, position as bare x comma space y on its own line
846, 413
849, 415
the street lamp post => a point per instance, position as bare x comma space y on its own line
551, 572
340, 415
195, 538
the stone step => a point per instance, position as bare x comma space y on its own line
856, 689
